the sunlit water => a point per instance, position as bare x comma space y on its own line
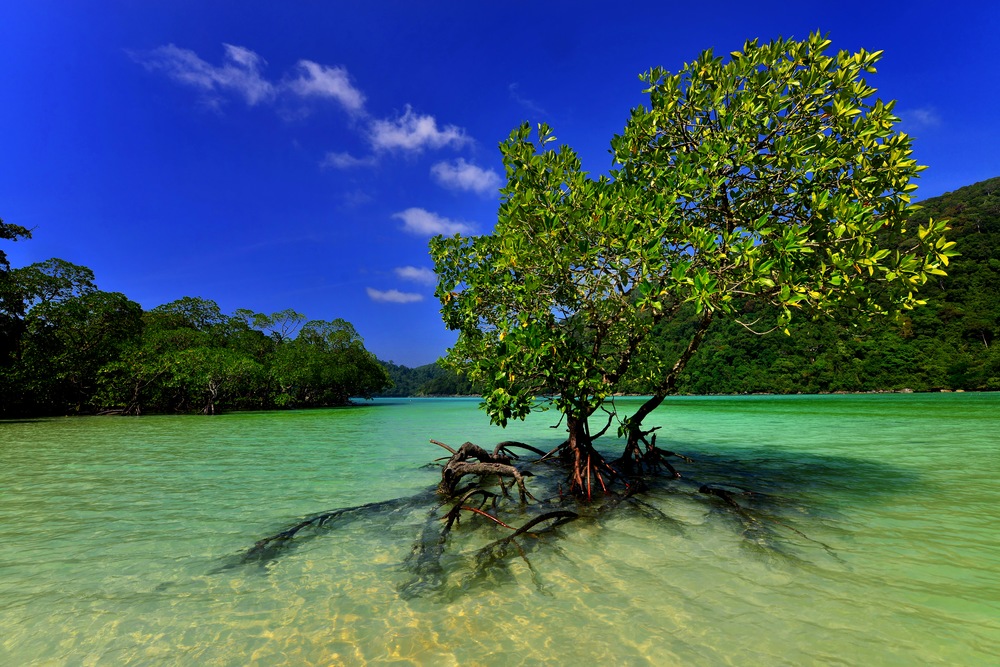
875, 540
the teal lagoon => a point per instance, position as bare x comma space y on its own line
879, 542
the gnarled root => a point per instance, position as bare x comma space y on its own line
504, 448
498, 463
636, 460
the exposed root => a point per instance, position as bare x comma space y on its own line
441, 444
503, 448
555, 450
498, 464
636, 460
587, 469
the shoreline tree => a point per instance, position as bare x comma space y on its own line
192, 357
774, 181
11, 300
67, 347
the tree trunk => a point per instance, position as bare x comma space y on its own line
576, 446
667, 385
587, 463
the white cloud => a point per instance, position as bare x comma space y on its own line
417, 274
524, 101
239, 72
921, 118
414, 132
419, 221
346, 161
461, 175
393, 296
355, 198
317, 80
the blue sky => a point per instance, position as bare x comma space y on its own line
272, 155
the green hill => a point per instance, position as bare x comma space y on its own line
946, 345
426, 380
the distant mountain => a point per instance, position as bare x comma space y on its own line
426, 380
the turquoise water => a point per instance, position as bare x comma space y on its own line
875, 539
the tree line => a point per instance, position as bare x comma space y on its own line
67, 347
426, 380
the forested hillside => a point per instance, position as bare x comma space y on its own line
947, 344
426, 380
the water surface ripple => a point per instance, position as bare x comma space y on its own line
873, 539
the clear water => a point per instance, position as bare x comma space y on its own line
877, 542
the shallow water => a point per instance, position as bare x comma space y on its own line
873, 538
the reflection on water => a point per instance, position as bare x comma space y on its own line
865, 535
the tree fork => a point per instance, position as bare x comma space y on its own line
634, 422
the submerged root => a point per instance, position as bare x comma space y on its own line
424, 561
491, 559
273, 546
758, 523
589, 474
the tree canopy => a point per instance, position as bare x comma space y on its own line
751, 188
948, 344
71, 348
11, 299
11, 232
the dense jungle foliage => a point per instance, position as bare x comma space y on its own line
68, 348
